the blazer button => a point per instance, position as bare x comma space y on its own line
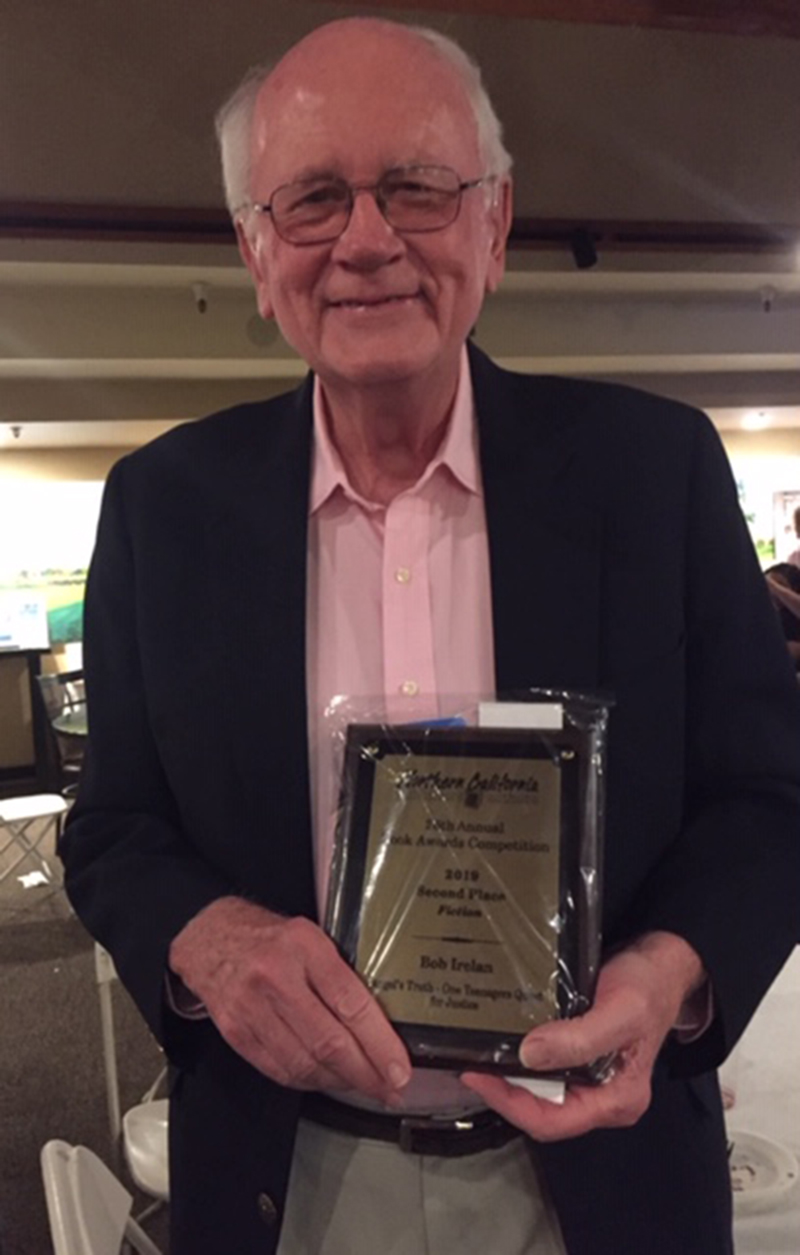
267, 1210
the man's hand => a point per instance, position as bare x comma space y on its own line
284, 999
639, 995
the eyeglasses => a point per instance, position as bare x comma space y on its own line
411, 199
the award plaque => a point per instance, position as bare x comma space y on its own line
457, 883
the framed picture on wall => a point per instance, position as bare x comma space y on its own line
23, 621
787, 536
48, 529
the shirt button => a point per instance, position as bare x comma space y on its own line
403, 575
409, 688
267, 1209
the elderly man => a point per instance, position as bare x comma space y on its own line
406, 524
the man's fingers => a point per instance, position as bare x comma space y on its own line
639, 993
565, 1044
298, 1043
284, 1059
355, 1008
318, 1026
625, 1013
618, 1104
282, 996
372, 1061
339, 1020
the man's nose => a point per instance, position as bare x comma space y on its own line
368, 237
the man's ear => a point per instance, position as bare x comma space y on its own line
253, 259
500, 215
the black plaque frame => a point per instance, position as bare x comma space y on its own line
571, 749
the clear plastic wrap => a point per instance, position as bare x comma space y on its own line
466, 879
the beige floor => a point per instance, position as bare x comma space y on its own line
53, 1049
764, 1073
51, 1065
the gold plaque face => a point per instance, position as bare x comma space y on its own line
460, 902
457, 855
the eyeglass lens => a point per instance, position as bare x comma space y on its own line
414, 198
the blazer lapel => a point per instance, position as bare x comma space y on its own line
544, 534
257, 547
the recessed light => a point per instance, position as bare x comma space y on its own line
756, 420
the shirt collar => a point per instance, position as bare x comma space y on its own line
458, 450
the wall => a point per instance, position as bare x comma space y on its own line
16, 731
88, 463
766, 463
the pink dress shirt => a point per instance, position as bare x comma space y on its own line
398, 622
399, 599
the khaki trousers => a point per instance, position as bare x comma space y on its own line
350, 1196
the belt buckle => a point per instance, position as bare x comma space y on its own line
415, 1130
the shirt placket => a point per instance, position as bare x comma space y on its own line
409, 671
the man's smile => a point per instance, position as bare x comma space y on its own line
374, 302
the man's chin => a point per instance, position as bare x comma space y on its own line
377, 370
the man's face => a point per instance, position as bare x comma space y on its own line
375, 305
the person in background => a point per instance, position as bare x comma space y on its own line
794, 556
783, 582
407, 523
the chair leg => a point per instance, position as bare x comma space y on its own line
149, 1211
112, 1078
28, 848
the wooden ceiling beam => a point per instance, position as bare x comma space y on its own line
163, 225
776, 18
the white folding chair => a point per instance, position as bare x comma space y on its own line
88, 1208
145, 1130
142, 1131
25, 825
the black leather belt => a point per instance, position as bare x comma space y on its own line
418, 1135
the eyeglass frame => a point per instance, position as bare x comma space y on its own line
463, 185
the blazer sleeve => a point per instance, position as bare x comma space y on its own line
132, 874
729, 882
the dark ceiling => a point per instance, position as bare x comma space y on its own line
664, 131
649, 120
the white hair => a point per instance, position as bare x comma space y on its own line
494, 153
233, 124
234, 120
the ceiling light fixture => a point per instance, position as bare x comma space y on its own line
756, 420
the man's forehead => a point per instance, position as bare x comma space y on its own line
362, 98
364, 65
339, 49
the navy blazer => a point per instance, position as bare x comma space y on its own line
619, 561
